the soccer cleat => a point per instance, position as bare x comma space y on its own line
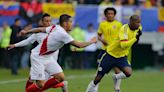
117, 91
65, 87
92, 87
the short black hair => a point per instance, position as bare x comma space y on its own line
17, 19
110, 8
90, 25
64, 18
134, 18
45, 15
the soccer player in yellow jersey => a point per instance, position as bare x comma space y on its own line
107, 33
116, 53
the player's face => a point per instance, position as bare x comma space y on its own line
110, 15
47, 21
135, 24
69, 24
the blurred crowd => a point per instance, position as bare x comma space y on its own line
144, 3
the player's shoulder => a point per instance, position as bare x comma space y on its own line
60, 31
125, 25
118, 22
103, 22
59, 28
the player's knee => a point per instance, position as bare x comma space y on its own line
40, 84
59, 77
128, 74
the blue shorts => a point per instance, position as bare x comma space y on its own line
107, 62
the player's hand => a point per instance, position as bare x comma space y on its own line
11, 46
22, 33
93, 40
105, 43
139, 33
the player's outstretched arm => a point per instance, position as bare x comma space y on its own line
83, 44
127, 43
34, 30
22, 43
11, 46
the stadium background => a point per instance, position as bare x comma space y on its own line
147, 56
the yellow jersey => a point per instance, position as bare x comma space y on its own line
120, 47
109, 31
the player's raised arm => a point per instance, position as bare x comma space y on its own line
127, 43
22, 43
83, 44
34, 30
124, 41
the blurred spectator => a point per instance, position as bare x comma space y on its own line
77, 53
16, 52
55, 1
160, 3
148, 3
87, 1
90, 59
91, 2
26, 51
106, 2
4, 43
130, 2
118, 2
81, 2
31, 11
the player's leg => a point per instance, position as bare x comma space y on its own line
28, 83
100, 55
117, 82
123, 64
56, 79
37, 73
36, 86
54, 69
63, 84
105, 65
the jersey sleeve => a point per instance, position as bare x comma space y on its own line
48, 29
123, 33
31, 39
100, 29
140, 28
120, 25
67, 38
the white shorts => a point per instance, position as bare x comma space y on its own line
42, 64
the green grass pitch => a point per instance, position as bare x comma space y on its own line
140, 81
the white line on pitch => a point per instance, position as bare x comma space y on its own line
24, 79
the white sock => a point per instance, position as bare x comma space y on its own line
92, 87
117, 83
120, 76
